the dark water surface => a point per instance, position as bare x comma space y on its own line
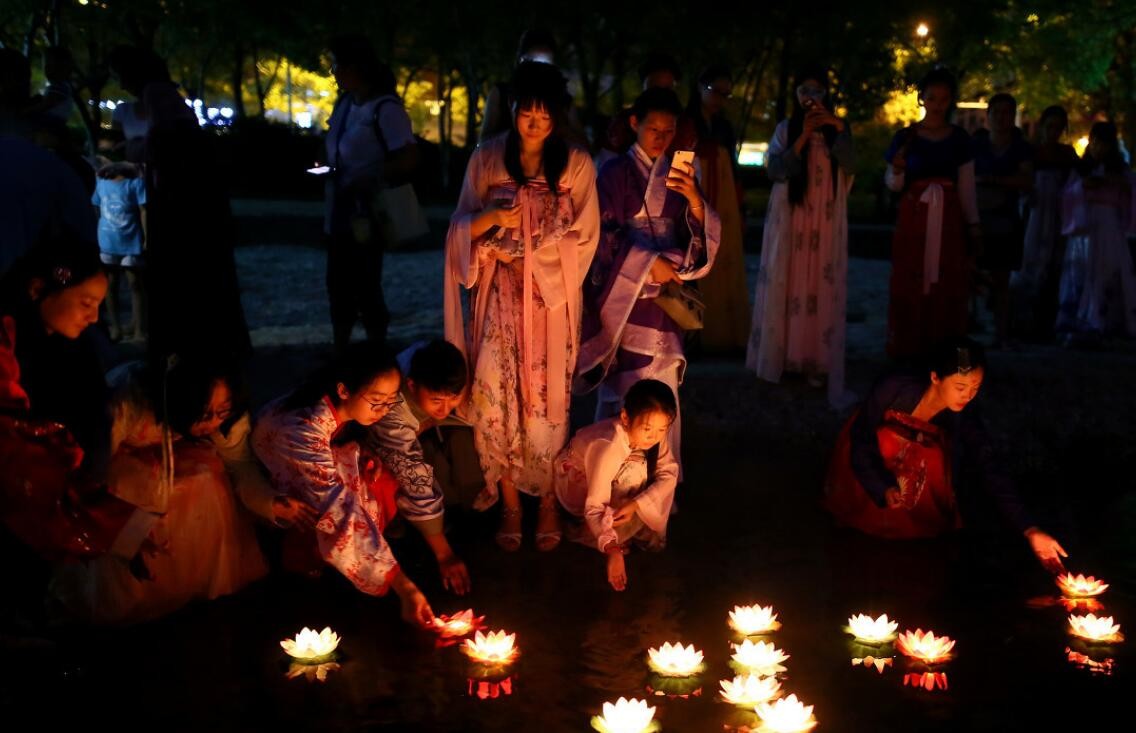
747, 531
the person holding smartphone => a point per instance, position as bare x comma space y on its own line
937, 235
657, 232
799, 305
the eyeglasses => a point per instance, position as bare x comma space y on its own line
222, 415
381, 406
723, 94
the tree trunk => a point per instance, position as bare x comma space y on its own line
238, 80
260, 92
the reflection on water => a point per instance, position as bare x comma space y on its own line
490, 689
929, 681
311, 672
1099, 664
878, 662
674, 688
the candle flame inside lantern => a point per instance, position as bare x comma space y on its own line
1080, 586
625, 716
788, 715
925, 646
675, 660
750, 690
752, 620
876, 631
310, 645
460, 624
760, 658
496, 647
1095, 628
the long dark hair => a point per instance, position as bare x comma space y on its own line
361, 364
799, 184
538, 86
58, 263
1112, 160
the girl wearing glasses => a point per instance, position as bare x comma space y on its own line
798, 310
309, 441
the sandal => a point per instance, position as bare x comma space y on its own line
509, 541
548, 541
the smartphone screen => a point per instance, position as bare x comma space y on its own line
682, 159
320, 170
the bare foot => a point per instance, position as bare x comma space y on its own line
616, 570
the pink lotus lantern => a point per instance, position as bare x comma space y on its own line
753, 620
788, 715
925, 646
1095, 629
459, 625
750, 690
496, 647
675, 660
1079, 586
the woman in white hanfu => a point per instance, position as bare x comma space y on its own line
799, 304
521, 240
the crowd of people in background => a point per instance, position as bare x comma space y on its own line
570, 269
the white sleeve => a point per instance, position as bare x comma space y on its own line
968, 197
396, 126
894, 179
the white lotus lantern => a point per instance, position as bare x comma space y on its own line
753, 620
750, 690
760, 658
675, 660
625, 716
788, 715
311, 646
872, 630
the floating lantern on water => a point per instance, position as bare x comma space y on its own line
1095, 628
925, 645
872, 630
760, 658
928, 681
1102, 667
626, 716
1079, 586
496, 648
458, 625
675, 660
788, 715
311, 672
490, 689
312, 647
750, 690
753, 620
878, 662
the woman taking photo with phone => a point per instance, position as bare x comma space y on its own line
798, 309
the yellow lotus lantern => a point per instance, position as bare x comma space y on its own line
750, 690
311, 646
872, 630
925, 645
458, 625
760, 658
626, 716
1080, 586
928, 681
1095, 628
878, 662
788, 715
675, 660
753, 620
496, 647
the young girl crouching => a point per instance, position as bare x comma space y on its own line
619, 476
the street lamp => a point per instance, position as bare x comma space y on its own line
922, 30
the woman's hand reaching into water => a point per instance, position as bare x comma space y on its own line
1048, 550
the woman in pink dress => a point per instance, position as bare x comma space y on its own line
799, 305
521, 240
